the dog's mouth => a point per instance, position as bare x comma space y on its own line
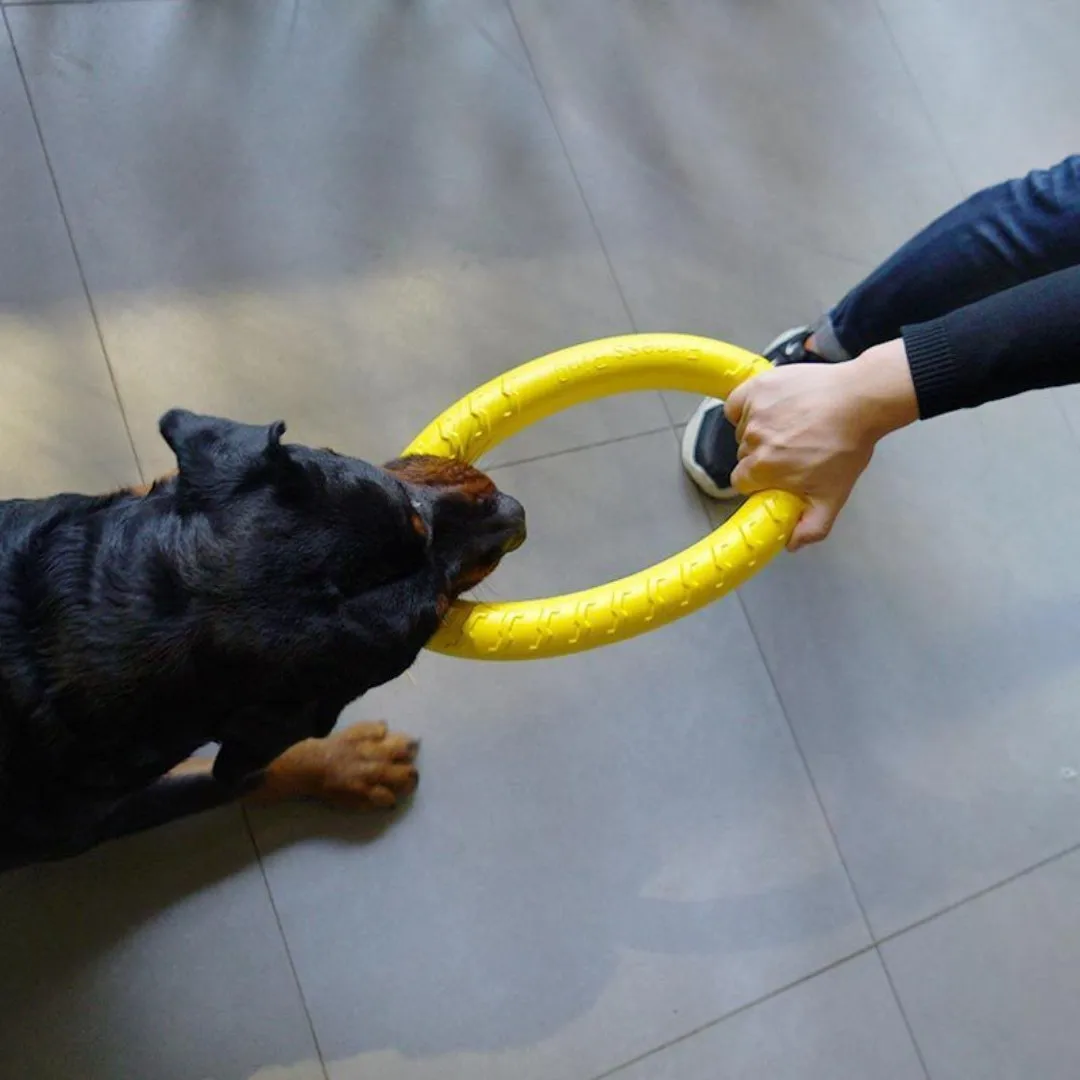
510, 537
488, 540
468, 518
476, 575
470, 580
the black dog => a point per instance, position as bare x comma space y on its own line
245, 600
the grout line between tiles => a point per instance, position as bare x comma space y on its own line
876, 941
615, 1069
71, 240
798, 747
835, 839
885, 939
824, 814
579, 185
285, 942
892, 935
832, 833
1059, 405
903, 1012
72, 3
923, 103
614, 440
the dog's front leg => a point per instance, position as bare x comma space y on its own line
357, 768
361, 767
190, 788
202, 783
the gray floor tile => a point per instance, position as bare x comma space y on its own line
605, 852
343, 215
684, 271
798, 119
842, 1023
62, 426
991, 989
997, 79
926, 658
156, 957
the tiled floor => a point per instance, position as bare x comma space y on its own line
825, 829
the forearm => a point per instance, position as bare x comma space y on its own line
1024, 338
881, 390
812, 428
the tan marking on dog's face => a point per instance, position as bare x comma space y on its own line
142, 490
426, 470
464, 481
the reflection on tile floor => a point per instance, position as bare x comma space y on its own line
818, 830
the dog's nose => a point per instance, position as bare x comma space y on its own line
512, 519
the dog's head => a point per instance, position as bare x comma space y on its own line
434, 526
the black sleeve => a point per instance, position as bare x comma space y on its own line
1024, 338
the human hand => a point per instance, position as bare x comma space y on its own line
811, 429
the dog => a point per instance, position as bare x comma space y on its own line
243, 600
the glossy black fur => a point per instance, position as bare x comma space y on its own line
245, 601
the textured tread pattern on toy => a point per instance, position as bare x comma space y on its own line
629, 606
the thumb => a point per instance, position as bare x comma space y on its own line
815, 524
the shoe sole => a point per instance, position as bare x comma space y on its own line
781, 338
693, 428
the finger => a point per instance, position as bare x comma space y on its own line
815, 524
744, 478
735, 403
744, 420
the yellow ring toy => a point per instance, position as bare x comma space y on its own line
574, 622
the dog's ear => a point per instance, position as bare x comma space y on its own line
214, 455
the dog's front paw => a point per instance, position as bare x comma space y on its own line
360, 767
366, 765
